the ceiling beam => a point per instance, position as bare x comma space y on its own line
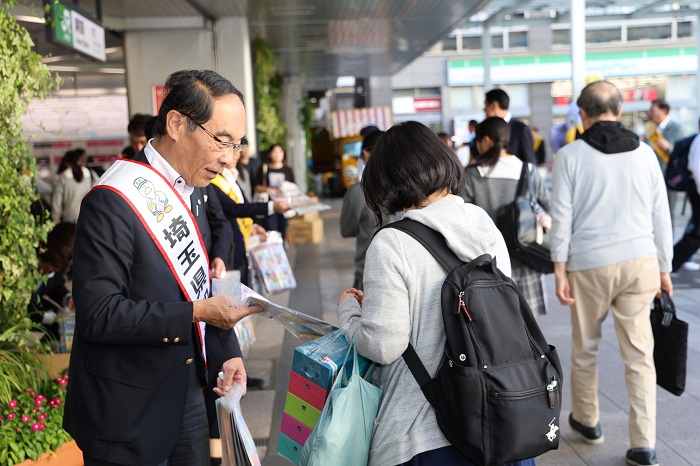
648, 8
505, 11
204, 11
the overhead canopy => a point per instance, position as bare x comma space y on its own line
320, 40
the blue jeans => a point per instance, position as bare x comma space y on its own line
451, 456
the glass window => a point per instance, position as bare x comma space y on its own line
517, 39
474, 42
497, 41
685, 29
662, 31
449, 44
598, 36
428, 92
561, 37
403, 93
471, 43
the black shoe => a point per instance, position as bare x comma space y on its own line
215, 461
592, 435
253, 382
641, 457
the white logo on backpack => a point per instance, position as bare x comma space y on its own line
553, 428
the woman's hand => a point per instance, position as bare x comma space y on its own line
351, 293
259, 232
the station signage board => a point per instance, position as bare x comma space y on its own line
76, 31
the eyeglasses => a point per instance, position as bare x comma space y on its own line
223, 145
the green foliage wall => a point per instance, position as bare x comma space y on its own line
268, 89
22, 77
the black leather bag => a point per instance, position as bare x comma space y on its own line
518, 223
670, 345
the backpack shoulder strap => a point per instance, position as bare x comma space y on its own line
431, 240
524, 181
436, 244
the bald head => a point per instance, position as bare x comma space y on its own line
599, 101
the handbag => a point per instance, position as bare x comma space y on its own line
670, 345
262, 197
343, 433
519, 222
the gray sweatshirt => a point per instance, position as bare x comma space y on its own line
357, 220
609, 208
401, 305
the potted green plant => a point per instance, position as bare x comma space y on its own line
30, 424
22, 77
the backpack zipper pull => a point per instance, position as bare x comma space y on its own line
463, 306
552, 394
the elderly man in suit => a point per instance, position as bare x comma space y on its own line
496, 104
141, 288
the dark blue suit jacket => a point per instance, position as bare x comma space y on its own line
232, 210
133, 345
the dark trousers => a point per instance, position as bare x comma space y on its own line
450, 456
192, 448
277, 222
690, 243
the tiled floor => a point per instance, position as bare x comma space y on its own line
324, 270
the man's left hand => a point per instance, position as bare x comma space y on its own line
233, 372
218, 268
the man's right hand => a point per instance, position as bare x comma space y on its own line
666, 284
221, 311
564, 292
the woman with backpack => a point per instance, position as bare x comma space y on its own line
412, 170
491, 182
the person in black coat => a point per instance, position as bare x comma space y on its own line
496, 104
137, 368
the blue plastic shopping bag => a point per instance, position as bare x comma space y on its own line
343, 433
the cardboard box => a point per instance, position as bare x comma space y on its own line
318, 361
300, 231
288, 448
314, 368
295, 429
301, 410
310, 216
307, 391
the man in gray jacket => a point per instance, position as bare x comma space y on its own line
612, 248
356, 220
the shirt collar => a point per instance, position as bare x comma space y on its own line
508, 117
230, 175
663, 124
164, 168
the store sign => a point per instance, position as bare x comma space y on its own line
548, 68
75, 31
427, 104
410, 105
158, 93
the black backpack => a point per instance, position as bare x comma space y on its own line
677, 174
498, 390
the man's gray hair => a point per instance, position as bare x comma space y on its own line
600, 97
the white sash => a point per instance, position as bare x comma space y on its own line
168, 221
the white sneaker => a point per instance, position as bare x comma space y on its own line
692, 266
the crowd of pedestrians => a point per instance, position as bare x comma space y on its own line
149, 236
611, 247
